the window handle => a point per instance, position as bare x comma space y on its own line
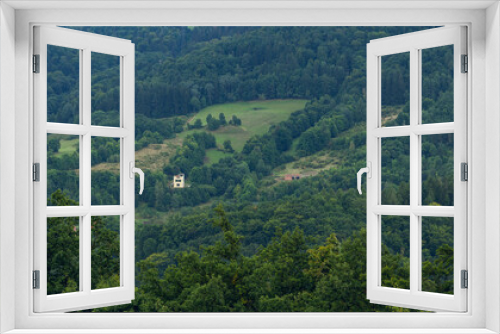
134, 170
368, 171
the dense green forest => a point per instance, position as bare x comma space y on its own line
240, 238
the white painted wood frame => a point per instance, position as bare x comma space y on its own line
413, 43
482, 18
85, 43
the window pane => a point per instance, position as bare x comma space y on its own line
105, 252
437, 84
63, 170
63, 255
63, 84
395, 89
396, 252
437, 254
105, 171
105, 89
396, 171
437, 170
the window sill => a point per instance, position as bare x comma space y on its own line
253, 331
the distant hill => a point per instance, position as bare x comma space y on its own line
300, 95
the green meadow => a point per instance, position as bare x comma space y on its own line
69, 144
256, 118
213, 156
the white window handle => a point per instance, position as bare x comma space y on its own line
368, 171
133, 171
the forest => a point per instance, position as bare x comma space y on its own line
239, 238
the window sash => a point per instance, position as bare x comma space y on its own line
414, 297
87, 43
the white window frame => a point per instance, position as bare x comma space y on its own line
484, 103
85, 43
413, 44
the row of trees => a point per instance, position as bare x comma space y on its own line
328, 277
252, 63
288, 275
213, 123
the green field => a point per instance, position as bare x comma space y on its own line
256, 118
213, 156
69, 144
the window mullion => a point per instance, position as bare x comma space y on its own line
418, 166
81, 235
85, 241
85, 254
414, 171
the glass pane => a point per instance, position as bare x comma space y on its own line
63, 174
63, 255
437, 254
437, 170
396, 252
437, 84
105, 89
395, 89
105, 171
63, 85
396, 171
105, 252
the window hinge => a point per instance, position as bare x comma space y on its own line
36, 279
465, 63
464, 172
36, 63
465, 279
36, 172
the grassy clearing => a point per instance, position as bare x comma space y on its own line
149, 215
107, 167
153, 157
69, 144
319, 161
156, 156
323, 160
390, 113
256, 118
213, 156
255, 115
310, 165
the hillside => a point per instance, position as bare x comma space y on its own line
272, 244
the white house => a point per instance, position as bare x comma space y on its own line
179, 181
